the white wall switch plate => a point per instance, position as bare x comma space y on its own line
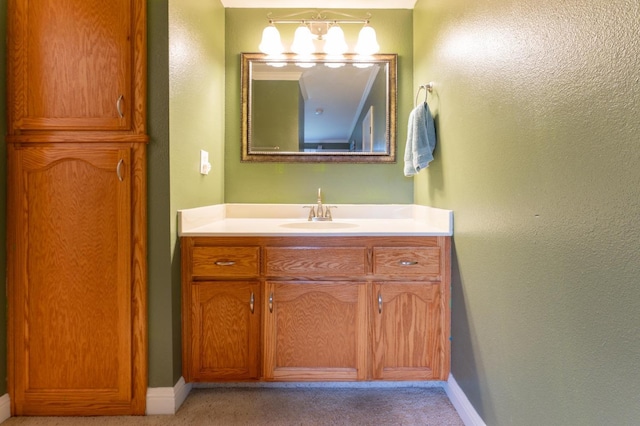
205, 166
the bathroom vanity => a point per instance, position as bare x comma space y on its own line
268, 295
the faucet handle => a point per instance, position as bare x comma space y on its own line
312, 212
327, 211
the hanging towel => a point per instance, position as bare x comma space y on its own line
421, 140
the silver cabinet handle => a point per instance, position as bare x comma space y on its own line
251, 302
379, 303
225, 262
271, 302
119, 170
408, 262
119, 106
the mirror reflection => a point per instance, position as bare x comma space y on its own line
321, 109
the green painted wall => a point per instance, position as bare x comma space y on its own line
537, 106
3, 200
186, 114
278, 125
297, 183
161, 333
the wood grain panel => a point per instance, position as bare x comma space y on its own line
226, 331
71, 62
77, 265
407, 261
226, 262
71, 286
315, 330
407, 333
315, 261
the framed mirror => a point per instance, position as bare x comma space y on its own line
319, 110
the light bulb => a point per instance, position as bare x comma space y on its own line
335, 44
367, 43
302, 41
271, 43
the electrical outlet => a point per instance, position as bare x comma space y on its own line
205, 166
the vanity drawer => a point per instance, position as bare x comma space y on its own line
226, 261
314, 261
407, 261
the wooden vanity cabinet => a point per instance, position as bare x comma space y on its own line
333, 308
410, 313
221, 308
315, 329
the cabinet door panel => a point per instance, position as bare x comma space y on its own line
408, 331
72, 309
315, 331
71, 64
226, 330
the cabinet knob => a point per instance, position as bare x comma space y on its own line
408, 262
225, 262
271, 302
379, 303
251, 301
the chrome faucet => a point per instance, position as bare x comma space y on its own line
319, 212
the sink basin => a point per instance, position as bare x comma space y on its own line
319, 225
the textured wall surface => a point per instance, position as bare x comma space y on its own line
186, 73
161, 370
537, 106
297, 183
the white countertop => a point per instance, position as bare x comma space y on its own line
291, 220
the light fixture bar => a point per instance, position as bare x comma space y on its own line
318, 21
318, 18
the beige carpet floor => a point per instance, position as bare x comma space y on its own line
288, 406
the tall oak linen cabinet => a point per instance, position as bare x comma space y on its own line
76, 234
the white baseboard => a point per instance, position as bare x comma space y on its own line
465, 410
5, 407
167, 400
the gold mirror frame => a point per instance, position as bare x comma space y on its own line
250, 155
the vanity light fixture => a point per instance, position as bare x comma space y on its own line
321, 28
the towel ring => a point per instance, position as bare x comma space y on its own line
428, 88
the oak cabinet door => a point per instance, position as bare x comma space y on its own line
315, 331
74, 65
70, 280
225, 328
408, 332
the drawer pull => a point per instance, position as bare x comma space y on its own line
119, 170
251, 301
119, 106
379, 303
408, 262
271, 302
225, 262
